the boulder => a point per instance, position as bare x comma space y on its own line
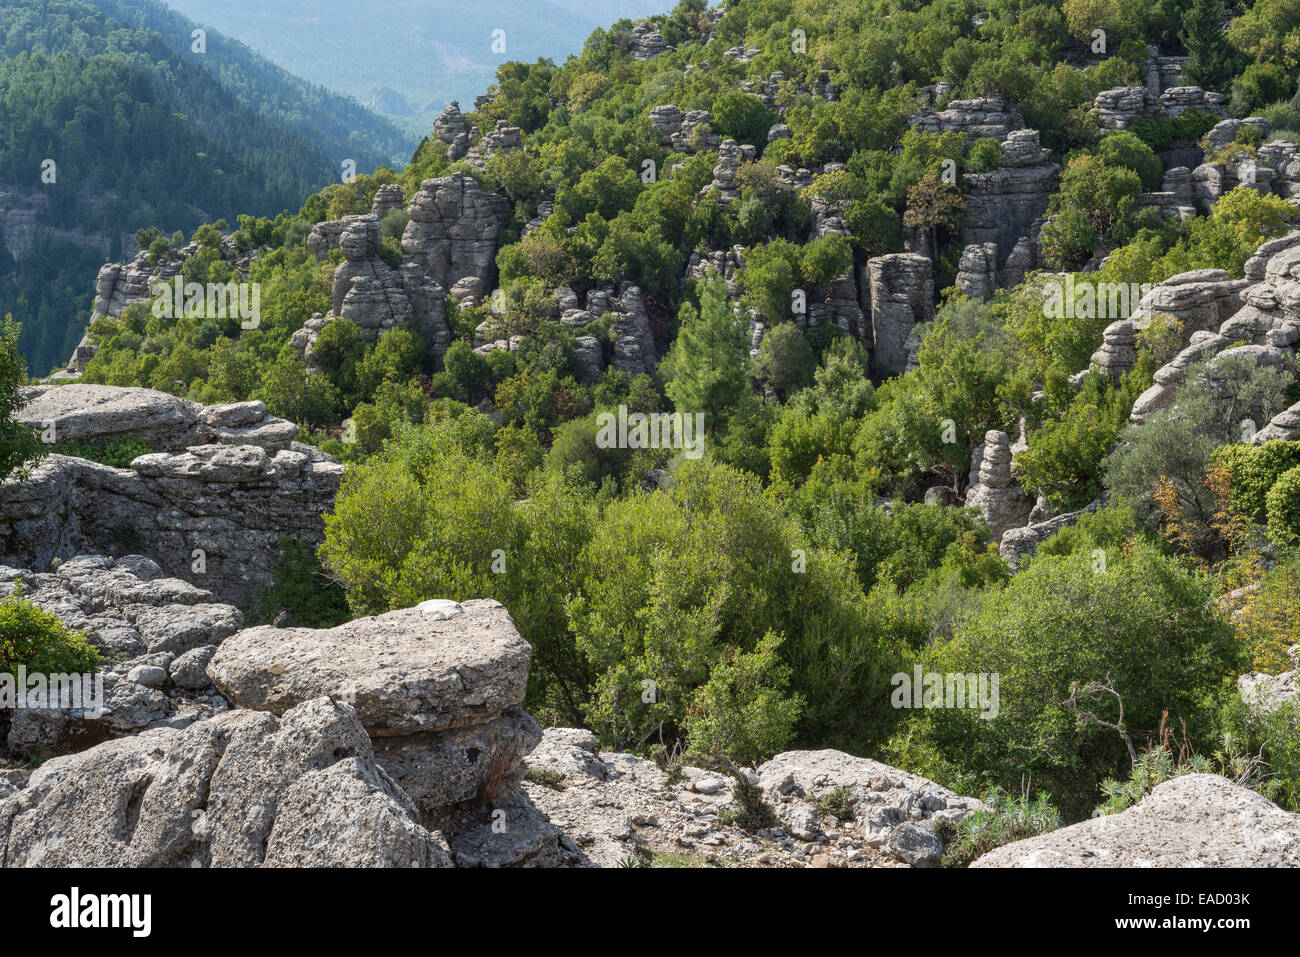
1197, 820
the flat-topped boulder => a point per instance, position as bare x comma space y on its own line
87, 413
436, 666
1198, 820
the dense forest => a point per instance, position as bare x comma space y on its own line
769, 589
144, 133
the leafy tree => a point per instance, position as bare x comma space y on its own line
18, 443
933, 205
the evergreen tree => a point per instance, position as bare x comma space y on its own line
710, 357
1204, 40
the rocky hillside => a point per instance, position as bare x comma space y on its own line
770, 437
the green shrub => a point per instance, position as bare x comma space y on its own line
36, 639
119, 453
985, 154
1003, 821
301, 587
1283, 507
1155, 765
837, 804
1253, 470
751, 812
1141, 621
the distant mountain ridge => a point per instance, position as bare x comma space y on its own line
429, 51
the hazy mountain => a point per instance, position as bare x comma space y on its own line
428, 51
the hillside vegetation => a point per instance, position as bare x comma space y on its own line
763, 595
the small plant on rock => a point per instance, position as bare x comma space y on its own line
837, 804
1003, 821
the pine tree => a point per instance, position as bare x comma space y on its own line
1203, 38
710, 358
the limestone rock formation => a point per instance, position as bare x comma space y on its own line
503, 138
989, 117
1117, 354
647, 42
452, 129
242, 789
439, 688
610, 806
149, 626
1019, 543
634, 346
453, 229
371, 293
1117, 108
1006, 205
1260, 313
676, 127
977, 272
730, 156
902, 295
1197, 820
1003, 504
1269, 691
209, 506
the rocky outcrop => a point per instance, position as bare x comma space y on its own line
902, 295
987, 117
1260, 313
1117, 355
158, 633
977, 272
676, 129
438, 687
503, 138
452, 129
1118, 107
612, 807
730, 156
647, 42
241, 789
209, 506
1003, 503
453, 230
633, 341
1271, 691
1197, 820
1019, 544
371, 293
1006, 205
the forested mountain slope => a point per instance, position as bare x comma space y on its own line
141, 135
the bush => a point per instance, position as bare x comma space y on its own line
1143, 622
1127, 149
1253, 470
300, 586
1003, 821
37, 640
742, 711
1283, 508
119, 453
985, 154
